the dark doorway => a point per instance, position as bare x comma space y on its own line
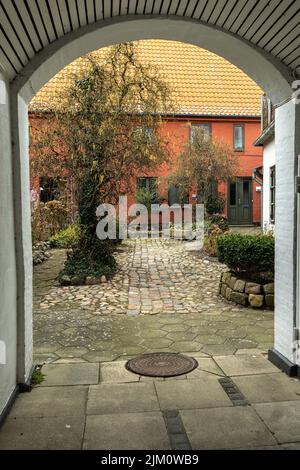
240, 202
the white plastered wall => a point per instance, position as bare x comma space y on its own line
8, 286
287, 141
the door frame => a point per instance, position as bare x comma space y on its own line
297, 319
237, 180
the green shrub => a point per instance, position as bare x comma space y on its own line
37, 377
146, 197
220, 220
66, 238
47, 219
211, 240
82, 263
251, 253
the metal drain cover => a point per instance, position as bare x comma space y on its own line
161, 364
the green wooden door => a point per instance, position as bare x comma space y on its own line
240, 202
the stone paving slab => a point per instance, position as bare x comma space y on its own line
48, 433
251, 352
47, 358
122, 398
245, 365
133, 431
225, 428
219, 349
70, 360
206, 364
191, 394
282, 418
122, 414
70, 374
116, 373
269, 387
50, 402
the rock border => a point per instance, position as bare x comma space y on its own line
40, 252
66, 280
246, 293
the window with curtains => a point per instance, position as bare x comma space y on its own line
238, 137
272, 193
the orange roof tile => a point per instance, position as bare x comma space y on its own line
202, 83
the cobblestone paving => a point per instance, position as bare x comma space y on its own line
164, 298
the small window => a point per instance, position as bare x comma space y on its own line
238, 137
272, 193
148, 132
49, 189
149, 184
206, 129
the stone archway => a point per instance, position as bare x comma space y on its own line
272, 75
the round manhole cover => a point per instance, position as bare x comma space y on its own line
161, 364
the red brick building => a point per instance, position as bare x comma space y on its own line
207, 91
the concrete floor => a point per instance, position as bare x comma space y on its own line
235, 399
246, 229
103, 406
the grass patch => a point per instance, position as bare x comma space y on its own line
37, 377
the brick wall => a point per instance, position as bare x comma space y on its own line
177, 132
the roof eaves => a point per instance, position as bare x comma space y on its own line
267, 135
40, 110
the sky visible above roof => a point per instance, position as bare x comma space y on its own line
202, 83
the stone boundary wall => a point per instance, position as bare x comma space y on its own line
249, 294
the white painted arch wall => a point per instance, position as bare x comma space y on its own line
16, 291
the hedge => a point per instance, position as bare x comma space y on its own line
251, 253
